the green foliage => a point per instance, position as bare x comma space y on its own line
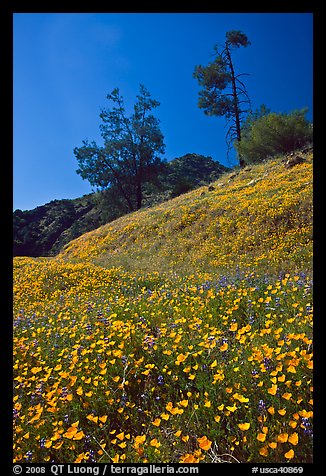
45, 229
266, 134
217, 78
130, 156
190, 171
235, 38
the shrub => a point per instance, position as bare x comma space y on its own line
267, 135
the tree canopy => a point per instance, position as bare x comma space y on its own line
266, 134
130, 156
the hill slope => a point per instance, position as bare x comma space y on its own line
146, 365
260, 216
44, 230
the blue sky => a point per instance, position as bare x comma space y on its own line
66, 64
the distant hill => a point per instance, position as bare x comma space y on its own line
45, 230
41, 231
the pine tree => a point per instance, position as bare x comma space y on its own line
223, 93
129, 157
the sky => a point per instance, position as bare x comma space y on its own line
65, 64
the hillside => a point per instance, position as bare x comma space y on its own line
44, 230
260, 216
181, 333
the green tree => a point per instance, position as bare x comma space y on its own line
223, 93
266, 134
190, 171
129, 157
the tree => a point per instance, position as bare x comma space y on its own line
129, 157
223, 93
266, 134
190, 171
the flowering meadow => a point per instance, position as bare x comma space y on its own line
115, 364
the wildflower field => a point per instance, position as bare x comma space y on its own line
115, 364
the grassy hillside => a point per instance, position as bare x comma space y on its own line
44, 230
258, 217
177, 334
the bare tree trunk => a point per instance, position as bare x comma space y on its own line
139, 195
119, 183
235, 103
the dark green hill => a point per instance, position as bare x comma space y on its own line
40, 232
45, 230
